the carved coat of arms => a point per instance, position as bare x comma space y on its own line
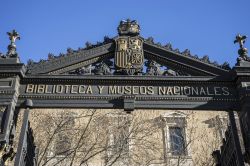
129, 53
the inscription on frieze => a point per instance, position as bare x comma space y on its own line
129, 90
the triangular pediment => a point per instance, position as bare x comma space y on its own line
158, 61
99, 60
174, 114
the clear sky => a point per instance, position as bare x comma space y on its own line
206, 27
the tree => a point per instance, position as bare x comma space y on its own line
82, 137
113, 137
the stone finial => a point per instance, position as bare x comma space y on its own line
13, 36
240, 39
243, 53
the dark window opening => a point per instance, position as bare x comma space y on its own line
177, 141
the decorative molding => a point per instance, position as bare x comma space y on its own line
137, 98
127, 79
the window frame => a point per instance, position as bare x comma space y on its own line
166, 132
70, 122
115, 118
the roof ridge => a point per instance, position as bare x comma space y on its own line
187, 52
70, 51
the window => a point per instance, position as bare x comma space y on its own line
174, 134
120, 141
64, 124
177, 141
119, 131
62, 146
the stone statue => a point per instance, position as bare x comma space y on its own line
102, 69
153, 68
86, 70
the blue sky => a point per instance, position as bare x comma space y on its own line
206, 27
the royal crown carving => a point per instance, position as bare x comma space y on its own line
128, 27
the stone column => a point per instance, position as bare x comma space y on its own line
242, 78
11, 72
